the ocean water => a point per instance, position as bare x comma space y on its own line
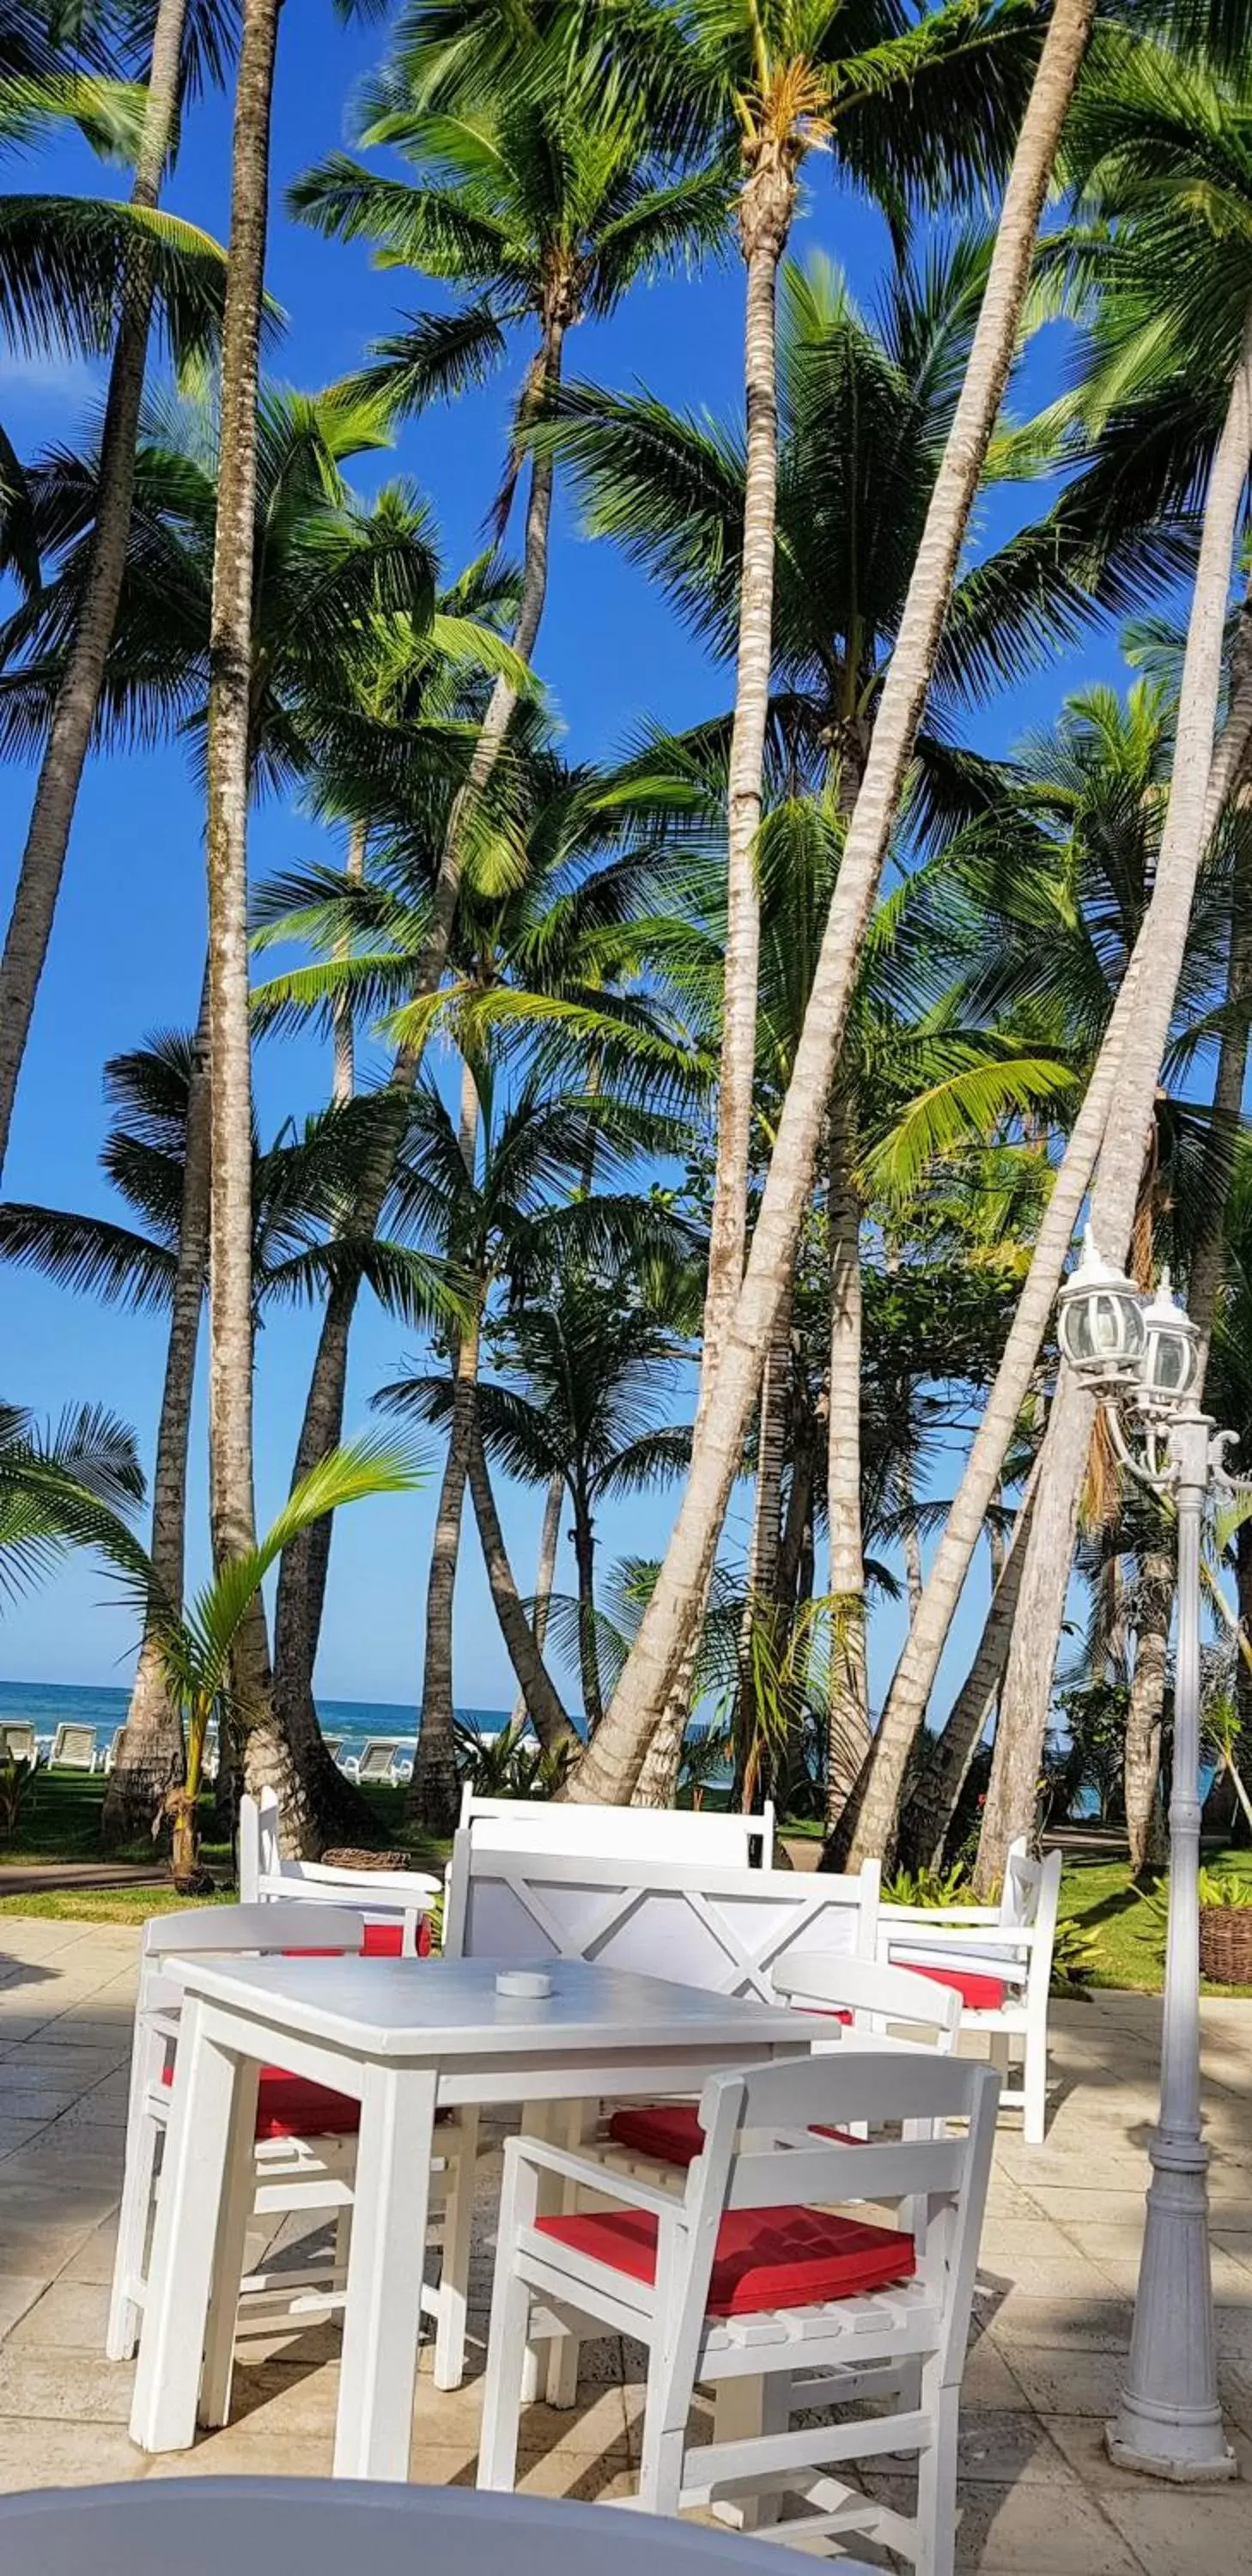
48, 1704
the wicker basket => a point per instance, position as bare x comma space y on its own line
1226, 1944
368, 1859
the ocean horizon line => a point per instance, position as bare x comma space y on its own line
105, 1704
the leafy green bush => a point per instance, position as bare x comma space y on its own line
929, 1887
1076, 1955
17, 1779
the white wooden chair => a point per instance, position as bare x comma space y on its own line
18, 1741
752, 2275
396, 1903
642, 1833
108, 1759
73, 1748
999, 1960
305, 2149
872, 2004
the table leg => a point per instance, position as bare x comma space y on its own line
238, 2198
382, 2316
457, 2226
193, 2175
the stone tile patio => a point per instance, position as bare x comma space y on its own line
1058, 2269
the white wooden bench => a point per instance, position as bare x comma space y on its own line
698, 1924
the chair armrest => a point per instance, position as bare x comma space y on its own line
588, 2170
938, 1936
988, 1914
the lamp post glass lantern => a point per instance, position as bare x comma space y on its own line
1147, 1354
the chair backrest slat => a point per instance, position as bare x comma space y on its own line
233, 1929
711, 1835
867, 1988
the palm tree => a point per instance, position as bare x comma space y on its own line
229, 766
587, 1369
330, 574
299, 1185
559, 905
44, 1504
1149, 135
1160, 439
547, 205
924, 1077
482, 1188
74, 716
66, 259
1062, 927
333, 579
45, 1472
612, 1764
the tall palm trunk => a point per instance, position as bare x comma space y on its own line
1229, 775
612, 1764
585, 1570
766, 208
1142, 1754
927, 1820
761, 1603
915, 1672
545, 1574
848, 1718
1222, 1815
150, 1756
765, 212
230, 651
78, 696
910, 1535
771, 1460
305, 1563
543, 1702
343, 1080
1189, 818
433, 1798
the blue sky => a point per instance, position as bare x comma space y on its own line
128, 943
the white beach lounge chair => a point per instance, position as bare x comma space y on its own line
73, 1748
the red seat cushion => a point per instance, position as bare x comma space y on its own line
671, 2132
382, 1941
980, 1994
766, 2258
289, 2106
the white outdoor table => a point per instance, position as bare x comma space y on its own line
403, 2037
257, 2526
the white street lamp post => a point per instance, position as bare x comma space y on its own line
1168, 2421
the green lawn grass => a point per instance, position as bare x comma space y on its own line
1126, 1926
60, 1821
